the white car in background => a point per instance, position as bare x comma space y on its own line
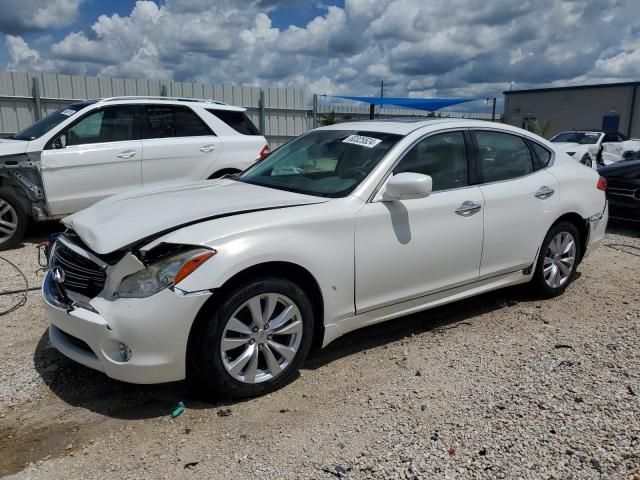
89, 150
230, 282
595, 148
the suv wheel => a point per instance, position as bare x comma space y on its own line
257, 338
586, 160
558, 260
13, 220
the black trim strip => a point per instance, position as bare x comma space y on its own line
139, 243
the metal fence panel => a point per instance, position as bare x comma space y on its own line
286, 113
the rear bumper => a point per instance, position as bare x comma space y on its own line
155, 331
597, 229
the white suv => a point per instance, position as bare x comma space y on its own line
90, 150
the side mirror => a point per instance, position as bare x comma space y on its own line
406, 186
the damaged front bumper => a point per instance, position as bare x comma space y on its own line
134, 340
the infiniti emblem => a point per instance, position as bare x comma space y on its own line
58, 275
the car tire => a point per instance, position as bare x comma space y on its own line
13, 219
558, 259
586, 161
235, 356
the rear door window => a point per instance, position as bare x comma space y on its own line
166, 121
236, 120
503, 156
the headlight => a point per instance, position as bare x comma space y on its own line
571, 153
164, 273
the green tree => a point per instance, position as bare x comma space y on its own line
327, 119
542, 130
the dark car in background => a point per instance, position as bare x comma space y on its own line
623, 189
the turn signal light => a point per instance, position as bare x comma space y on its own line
190, 265
602, 184
264, 153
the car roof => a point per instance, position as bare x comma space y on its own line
580, 131
405, 126
204, 103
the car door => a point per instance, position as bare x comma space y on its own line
178, 145
97, 156
410, 248
520, 198
612, 148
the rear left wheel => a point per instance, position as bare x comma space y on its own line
257, 338
558, 259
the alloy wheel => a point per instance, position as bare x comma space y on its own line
261, 338
8, 221
559, 259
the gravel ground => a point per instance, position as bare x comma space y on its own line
499, 386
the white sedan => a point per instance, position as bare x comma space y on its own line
232, 282
594, 148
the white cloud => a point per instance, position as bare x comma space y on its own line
435, 47
19, 16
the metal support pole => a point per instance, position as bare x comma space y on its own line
262, 121
372, 111
314, 113
632, 111
493, 111
36, 99
163, 90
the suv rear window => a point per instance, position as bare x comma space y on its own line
164, 121
236, 120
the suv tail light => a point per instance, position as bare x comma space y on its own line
263, 153
602, 184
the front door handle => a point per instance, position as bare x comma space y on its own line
207, 148
127, 154
544, 192
468, 208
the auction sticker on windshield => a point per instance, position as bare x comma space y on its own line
361, 140
68, 112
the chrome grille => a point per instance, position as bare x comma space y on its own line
80, 274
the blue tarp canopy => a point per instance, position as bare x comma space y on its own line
429, 104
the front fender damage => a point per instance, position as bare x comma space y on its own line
22, 173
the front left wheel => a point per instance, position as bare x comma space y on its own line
586, 161
13, 220
256, 339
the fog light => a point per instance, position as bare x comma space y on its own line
125, 352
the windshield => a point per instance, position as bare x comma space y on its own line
47, 123
326, 163
584, 138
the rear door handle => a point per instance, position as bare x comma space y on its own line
207, 148
544, 192
127, 154
468, 208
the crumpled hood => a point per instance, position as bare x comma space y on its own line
125, 219
12, 147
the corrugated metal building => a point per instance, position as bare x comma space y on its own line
612, 107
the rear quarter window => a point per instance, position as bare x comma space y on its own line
236, 120
543, 155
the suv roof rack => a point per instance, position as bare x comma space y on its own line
151, 97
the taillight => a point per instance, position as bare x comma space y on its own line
263, 153
602, 184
